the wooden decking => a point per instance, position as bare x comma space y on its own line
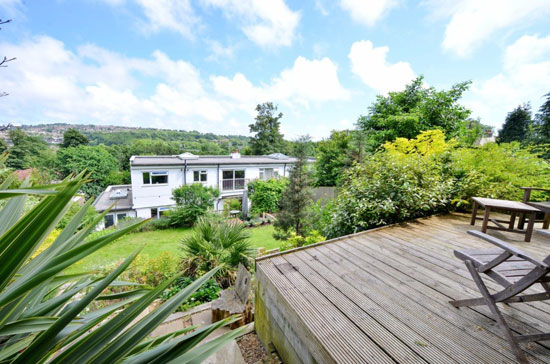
382, 297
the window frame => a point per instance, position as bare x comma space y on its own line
151, 175
200, 173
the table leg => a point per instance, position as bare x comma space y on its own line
546, 223
530, 226
474, 214
485, 219
512, 220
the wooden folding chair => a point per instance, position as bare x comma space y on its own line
516, 272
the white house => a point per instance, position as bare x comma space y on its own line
154, 177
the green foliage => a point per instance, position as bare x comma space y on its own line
192, 202
265, 195
268, 138
297, 197
217, 243
73, 138
208, 292
161, 223
44, 314
497, 171
333, 157
25, 149
153, 271
295, 241
90, 215
425, 175
471, 131
95, 160
405, 114
516, 126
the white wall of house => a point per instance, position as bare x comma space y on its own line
159, 195
151, 194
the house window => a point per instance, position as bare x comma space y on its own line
267, 173
109, 220
120, 217
233, 180
154, 213
155, 178
199, 176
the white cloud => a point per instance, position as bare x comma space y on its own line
266, 23
94, 85
525, 78
10, 8
175, 15
473, 22
370, 64
220, 52
321, 8
368, 12
307, 81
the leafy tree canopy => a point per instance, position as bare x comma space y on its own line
25, 148
517, 124
268, 138
74, 138
543, 120
406, 113
96, 160
333, 156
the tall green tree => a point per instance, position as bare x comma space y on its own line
295, 203
406, 113
516, 126
333, 156
24, 149
96, 160
268, 138
543, 120
74, 138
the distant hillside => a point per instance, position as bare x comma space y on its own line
117, 135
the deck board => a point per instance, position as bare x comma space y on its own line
382, 297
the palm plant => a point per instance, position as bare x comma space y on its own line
43, 315
216, 243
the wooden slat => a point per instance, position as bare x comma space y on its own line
382, 296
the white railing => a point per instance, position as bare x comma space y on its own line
233, 184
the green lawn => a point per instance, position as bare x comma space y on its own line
156, 242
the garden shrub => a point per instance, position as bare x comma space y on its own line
153, 271
416, 177
208, 292
217, 243
497, 171
74, 207
193, 201
265, 195
295, 241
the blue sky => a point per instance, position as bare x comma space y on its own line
204, 65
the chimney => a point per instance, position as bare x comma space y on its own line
235, 154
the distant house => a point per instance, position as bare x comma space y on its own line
154, 178
23, 174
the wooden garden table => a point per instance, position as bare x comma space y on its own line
514, 207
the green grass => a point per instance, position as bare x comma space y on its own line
262, 237
157, 242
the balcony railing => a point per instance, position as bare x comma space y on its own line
233, 184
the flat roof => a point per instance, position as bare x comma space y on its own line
175, 160
121, 201
382, 296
